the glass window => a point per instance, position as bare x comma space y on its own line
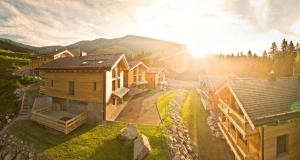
281, 145
71, 88
95, 86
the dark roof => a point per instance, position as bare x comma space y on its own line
133, 64
102, 61
155, 69
213, 82
267, 101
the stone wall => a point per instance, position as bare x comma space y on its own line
13, 148
179, 140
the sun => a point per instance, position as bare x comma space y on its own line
196, 50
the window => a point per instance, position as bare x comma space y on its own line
51, 83
140, 77
134, 78
95, 86
71, 88
281, 145
113, 85
119, 83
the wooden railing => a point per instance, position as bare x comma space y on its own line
42, 89
239, 149
236, 119
57, 124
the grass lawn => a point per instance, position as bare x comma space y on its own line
195, 118
88, 142
162, 105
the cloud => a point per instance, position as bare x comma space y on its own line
63, 22
266, 15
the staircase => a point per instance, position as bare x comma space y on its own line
25, 107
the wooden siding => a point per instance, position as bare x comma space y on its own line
292, 130
84, 85
139, 71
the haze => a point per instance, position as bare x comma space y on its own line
207, 26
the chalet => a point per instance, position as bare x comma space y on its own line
260, 118
207, 88
43, 58
156, 76
90, 84
136, 75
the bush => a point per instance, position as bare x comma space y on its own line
25, 80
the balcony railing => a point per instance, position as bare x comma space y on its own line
236, 119
237, 146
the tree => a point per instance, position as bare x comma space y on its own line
249, 54
265, 53
274, 49
284, 46
291, 48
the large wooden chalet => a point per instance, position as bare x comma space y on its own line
136, 75
86, 84
260, 118
43, 58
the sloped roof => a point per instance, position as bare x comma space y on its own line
267, 101
102, 61
133, 64
213, 82
155, 69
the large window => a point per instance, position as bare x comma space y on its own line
281, 145
95, 86
71, 88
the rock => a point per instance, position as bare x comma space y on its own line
9, 156
141, 147
176, 157
128, 133
9, 120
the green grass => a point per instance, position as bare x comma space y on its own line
195, 119
162, 105
88, 142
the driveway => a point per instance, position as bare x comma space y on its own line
141, 109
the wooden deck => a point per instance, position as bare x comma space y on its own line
59, 120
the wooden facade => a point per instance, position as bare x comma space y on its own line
265, 142
155, 78
83, 89
136, 76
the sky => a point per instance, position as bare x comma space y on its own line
205, 26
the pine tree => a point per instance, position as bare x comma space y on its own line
291, 48
274, 49
249, 54
284, 46
265, 53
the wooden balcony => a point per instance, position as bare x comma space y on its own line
59, 120
237, 146
42, 89
236, 119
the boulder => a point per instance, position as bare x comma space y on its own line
128, 133
141, 147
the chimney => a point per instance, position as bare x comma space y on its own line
272, 76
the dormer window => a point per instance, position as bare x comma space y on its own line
85, 62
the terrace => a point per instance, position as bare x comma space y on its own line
57, 119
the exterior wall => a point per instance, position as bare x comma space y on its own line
84, 85
94, 110
108, 85
129, 75
152, 80
292, 130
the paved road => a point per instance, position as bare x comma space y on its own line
141, 110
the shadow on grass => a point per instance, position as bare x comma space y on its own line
42, 137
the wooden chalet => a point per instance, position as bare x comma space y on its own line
207, 88
156, 76
43, 58
90, 84
260, 118
136, 75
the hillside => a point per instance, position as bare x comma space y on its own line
129, 45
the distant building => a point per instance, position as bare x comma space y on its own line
156, 76
92, 84
43, 58
136, 75
260, 118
